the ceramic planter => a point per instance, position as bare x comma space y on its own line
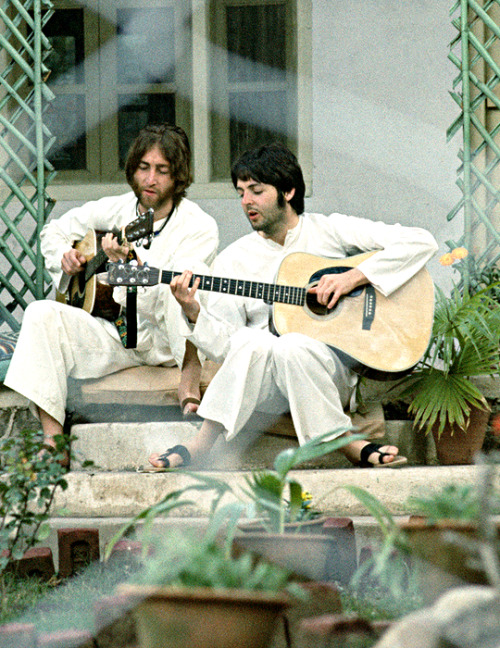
190, 617
459, 446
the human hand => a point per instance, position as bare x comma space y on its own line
331, 287
185, 295
73, 262
113, 250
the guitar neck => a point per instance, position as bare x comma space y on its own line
270, 293
93, 265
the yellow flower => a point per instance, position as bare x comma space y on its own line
447, 259
459, 253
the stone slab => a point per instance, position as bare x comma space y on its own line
122, 494
126, 446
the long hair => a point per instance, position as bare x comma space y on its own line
275, 165
174, 146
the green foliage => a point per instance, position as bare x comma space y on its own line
190, 561
454, 501
28, 483
276, 497
171, 501
464, 343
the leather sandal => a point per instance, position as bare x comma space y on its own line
189, 414
367, 450
181, 450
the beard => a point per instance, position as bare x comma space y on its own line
271, 222
155, 202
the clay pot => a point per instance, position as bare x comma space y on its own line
192, 617
459, 446
443, 547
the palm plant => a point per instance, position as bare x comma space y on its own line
464, 343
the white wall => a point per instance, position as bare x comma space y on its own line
381, 107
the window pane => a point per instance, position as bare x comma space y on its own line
65, 33
135, 111
65, 118
256, 118
145, 51
256, 34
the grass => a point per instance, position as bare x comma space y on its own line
56, 605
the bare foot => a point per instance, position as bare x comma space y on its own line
189, 406
52, 448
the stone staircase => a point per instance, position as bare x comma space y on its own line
114, 488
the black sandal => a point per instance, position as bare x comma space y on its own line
367, 450
181, 450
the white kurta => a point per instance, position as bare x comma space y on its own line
58, 341
264, 373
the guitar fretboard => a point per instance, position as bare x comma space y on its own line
258, 290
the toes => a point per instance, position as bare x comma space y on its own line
155, 461
390, 454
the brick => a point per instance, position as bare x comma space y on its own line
339, 625
66, 639
77, 549
37, 561
114, 622
17, 635
342, 528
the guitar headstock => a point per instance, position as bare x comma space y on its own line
131, 274
141, 227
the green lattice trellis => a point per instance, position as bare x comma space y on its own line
24, 142
475, 51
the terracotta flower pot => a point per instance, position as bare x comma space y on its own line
191, 617
310, 555
447, 560
459, 446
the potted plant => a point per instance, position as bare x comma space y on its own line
194, 589
464, 344
452, 534
194, 593
279, 523
286, 529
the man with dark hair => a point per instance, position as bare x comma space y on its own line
58, 341
294, 372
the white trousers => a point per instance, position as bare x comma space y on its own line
58, 341
265, 373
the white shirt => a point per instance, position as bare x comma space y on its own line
402, 251
190, 236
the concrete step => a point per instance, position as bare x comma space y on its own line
126, 446
126, 493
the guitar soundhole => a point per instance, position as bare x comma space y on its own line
315, 307
319, 310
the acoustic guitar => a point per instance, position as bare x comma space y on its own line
377, 336
85, 290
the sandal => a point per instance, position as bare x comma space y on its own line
367, 450
189, 414
181, 450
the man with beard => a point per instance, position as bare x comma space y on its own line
58, 341
294, 373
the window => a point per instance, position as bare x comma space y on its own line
230, 72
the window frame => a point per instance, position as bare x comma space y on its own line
70, 185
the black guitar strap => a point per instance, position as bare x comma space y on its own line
131, 339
